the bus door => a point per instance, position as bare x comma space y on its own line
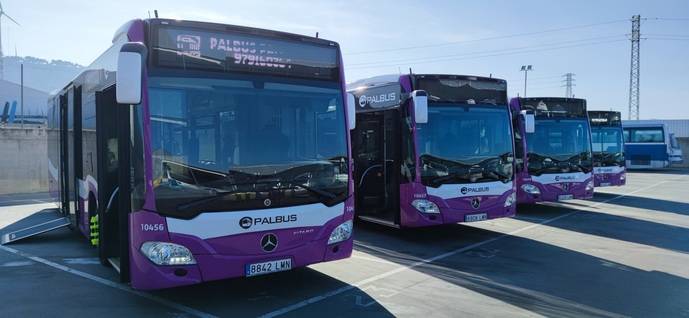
76, 164
377, 166
64, 155
114, 200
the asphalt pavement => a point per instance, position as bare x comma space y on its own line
624, 253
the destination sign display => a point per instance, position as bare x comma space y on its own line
378, 97
605, 118
464, 90
239, 52
553, 106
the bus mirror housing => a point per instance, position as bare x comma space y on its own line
420, 100
128, 79
529, 121
351, 111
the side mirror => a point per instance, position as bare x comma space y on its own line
130, 62
529, 122
420, 100
351, 111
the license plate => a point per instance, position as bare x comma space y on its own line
268, 267
475, 217
605, 184
565, 197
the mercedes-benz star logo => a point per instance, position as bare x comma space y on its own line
475, 203
565, 186
269, 242
267, 202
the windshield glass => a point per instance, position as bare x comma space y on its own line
607, 146
559, 145
250, 142
645, 134
462, 144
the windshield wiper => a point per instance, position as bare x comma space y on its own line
324, 196
184, 207
321, 193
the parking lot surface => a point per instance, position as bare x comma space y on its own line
624, 253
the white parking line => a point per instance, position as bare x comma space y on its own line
122, 287
369, 280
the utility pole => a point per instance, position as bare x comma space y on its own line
634, 72
526, 69
568, 84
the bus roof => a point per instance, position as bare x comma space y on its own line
632, 123
242, 29
381, 80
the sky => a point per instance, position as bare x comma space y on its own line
488, 38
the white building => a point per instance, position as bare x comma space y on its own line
35, 101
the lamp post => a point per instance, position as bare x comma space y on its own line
526, 69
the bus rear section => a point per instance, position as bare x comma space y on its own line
608, 148
556, 162
217, 151
649, 145
432, 149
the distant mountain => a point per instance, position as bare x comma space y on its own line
40, 74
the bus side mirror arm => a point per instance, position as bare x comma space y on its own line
529, 121
128, 78
420, 101
351, 111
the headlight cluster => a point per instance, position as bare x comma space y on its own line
589, 186
530, 189
164, 253
425, 206
341, 233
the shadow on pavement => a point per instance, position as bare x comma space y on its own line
645, 203
673, 170
539, 277
240, 297
669, 237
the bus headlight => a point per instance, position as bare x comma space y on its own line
164, 253
530, 189
510, 199
589, 186
341, 233
425, 206
623, 176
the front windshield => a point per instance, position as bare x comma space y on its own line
252, 142
465, 143
607, 146
559, 145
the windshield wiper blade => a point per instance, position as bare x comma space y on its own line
444, 160
435, 182
322, 193
190, 205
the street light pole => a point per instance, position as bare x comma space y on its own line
21, 94
526, 69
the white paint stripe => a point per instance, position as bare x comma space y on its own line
372, 279
109, 283
375, 260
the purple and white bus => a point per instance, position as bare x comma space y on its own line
608, 148
553, 143
432, 149
191, 152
